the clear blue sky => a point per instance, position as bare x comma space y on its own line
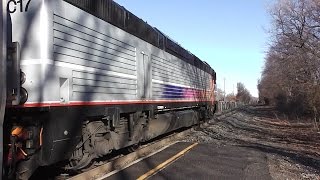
230, 35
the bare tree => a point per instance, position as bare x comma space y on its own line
243, 95
291, 77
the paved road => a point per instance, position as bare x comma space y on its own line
203, 161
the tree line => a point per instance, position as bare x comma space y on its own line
243, 95
291, 76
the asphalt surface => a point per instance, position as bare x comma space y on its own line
204, 161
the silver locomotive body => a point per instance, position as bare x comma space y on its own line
71, 57
78, 86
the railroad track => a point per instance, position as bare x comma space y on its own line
120, 162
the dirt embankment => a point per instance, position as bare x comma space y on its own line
292, 147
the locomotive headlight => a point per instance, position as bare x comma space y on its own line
22, 77
23, 95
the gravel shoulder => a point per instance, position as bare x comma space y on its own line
292, 147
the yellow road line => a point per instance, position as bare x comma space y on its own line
166, 163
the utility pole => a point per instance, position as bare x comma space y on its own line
233, 89
224, 89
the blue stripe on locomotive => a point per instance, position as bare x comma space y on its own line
172, 92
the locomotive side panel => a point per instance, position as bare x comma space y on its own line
108, 64
103, 66
70, 56
176, 79
84, 40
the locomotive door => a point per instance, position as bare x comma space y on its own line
144, 76
3, 66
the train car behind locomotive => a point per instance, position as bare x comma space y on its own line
82, 78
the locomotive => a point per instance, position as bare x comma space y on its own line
82, 78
